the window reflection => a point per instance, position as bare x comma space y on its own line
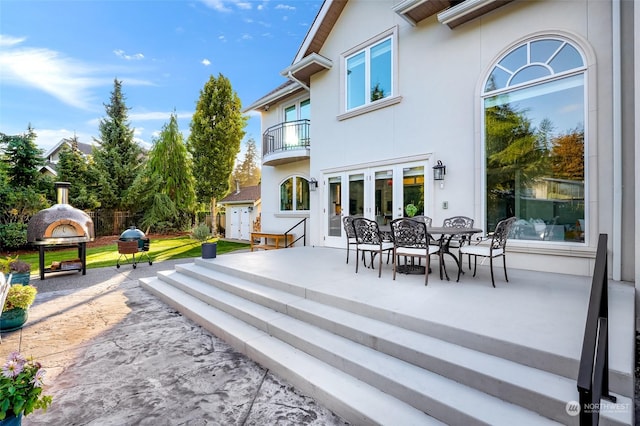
535, 141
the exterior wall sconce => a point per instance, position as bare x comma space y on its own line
313, 184
439, 170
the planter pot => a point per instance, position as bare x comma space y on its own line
12, 420
13, 319
209, 250
20, 278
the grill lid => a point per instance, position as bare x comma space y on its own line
132, 233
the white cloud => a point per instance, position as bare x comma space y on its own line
244, 5
205, 62
121, 54
69, 80
285, 7
6, 40
222, 38
246, 37
64, 78
216, 5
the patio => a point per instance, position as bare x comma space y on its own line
536, 320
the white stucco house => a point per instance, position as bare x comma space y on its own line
532, 107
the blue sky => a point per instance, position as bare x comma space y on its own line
58, 59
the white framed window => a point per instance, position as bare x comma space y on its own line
534, 115
294, 194
369, 73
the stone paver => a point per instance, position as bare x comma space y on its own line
116, 355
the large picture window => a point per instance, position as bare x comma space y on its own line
534, 138
369, 74
294, 194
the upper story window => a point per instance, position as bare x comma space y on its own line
535, 111
294, 194
298, 111
368, 72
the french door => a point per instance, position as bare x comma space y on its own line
377, 193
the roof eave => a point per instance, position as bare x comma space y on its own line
306, 67
414, 11
468, 10
273, 97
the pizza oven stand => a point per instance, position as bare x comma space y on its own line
82, 255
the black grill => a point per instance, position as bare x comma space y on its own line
132, 242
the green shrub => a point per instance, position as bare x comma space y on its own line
13, 235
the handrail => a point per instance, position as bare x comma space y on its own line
289, 135
593, 374
304, 233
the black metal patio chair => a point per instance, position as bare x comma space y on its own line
347, 223
411, 240
369, 239
496, 248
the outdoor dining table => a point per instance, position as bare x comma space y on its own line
446, 234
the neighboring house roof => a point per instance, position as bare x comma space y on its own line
48, 169
84, 148
50, 166
248, 194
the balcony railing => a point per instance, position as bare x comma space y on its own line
286, 140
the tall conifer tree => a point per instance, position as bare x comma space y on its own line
118, 157
217, 128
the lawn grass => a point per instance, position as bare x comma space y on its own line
159, 250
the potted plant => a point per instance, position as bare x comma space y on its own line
15, 310
19, 270
202, 233
411, 210
21, 383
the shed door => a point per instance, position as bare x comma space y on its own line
245, 224
240, 223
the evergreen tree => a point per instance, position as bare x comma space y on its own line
247, 173
22, 187
23, 159
74, 168
166, 187
217, 128
117, 158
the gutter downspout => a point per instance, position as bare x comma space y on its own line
291, 77
616, 242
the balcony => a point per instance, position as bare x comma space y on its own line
286, 143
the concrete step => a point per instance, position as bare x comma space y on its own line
532, 357
345, 395
306, 324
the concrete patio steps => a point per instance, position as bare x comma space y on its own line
275, 323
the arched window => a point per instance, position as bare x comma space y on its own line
294, 194
534, 110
